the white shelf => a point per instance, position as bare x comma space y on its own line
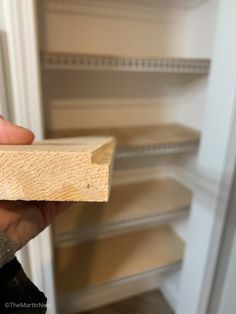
131, 206
97, 262
84, 300
143, 140
66, 61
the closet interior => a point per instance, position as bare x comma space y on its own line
137, 70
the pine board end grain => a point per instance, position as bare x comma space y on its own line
77, 169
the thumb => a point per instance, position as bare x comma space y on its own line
11, 134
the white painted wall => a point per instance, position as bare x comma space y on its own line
111, 27
201, 28
133, 28
102, 99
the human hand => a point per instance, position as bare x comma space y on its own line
19, 220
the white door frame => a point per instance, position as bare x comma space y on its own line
215, 169
223, 292
22, 45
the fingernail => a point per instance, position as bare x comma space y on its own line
21, 127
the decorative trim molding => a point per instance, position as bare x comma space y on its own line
66, 61
24, 63
131, 224
91, 298
156, 149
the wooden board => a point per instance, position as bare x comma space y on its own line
96, 262
134, 201
75, 169
144, 137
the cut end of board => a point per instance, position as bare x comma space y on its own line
72, 169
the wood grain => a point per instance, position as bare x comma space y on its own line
127, 202
75, 169
132, 137
96, 262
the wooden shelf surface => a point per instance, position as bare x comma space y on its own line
72, 61
143, 202
75, 169
97, 262
164, 138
